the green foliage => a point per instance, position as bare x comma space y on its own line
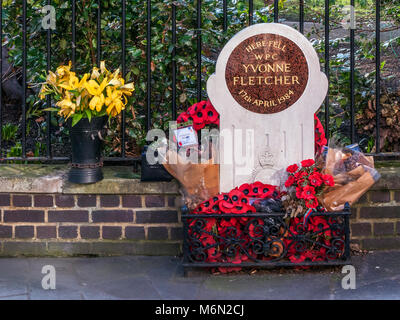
9, 132
15, 151
213, 39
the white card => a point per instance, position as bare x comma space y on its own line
186, 136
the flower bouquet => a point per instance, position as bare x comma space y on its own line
194, 165
85, 103
305, 184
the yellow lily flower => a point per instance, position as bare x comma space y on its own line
94, 88
103, 67
113, 101
97, 102
127, 89
67, 106
63, 72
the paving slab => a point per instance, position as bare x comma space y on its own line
143, 277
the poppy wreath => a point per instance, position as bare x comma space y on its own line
237, 201
307, 183
201, 114
320, 138
246, 230
318, 227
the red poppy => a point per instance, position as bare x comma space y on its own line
198, 126
245, 188
256, 189
225, 206
328, 180
183, 117
293, 168
267, 191
199, 116
308, 192
299, 192
307, 163
236, 196
211, 114
311, 202
318, 223
299, 176
192, 110
289, 182
315, 179
320, 138
297, 258
239, 209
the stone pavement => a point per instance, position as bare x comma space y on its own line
143, 277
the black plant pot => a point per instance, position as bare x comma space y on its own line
86, 145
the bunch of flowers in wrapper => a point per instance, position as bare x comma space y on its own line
308, 183
201, 114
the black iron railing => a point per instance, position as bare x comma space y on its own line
199, 82
266, 239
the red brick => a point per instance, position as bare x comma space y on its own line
165, 216
22, 200
68, 216
109, 201
383, 229
176, 234
87, 201
23, 216
46, 232
24, 232
112, 216
43, 201
90, 232
379, 212
4, 200
65, 201
172, 202
363, 199
110, 232
67, 232
131, 201
360, 229
381, 244
157, 233
134, 233
5, 231
379, 196
154, 201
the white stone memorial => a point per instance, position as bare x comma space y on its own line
267, 86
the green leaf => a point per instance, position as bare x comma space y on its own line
88, 114
76, 118
51, 109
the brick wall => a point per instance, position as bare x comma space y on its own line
375, 222
57, 224
42, 214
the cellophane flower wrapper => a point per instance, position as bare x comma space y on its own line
199, 179
353, 172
